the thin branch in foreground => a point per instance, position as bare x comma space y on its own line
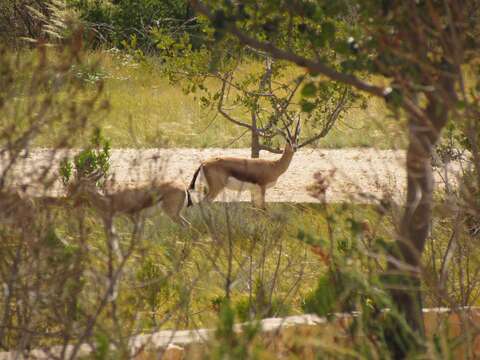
222, 111
330, 121
311, 65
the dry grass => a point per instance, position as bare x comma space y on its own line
147, 111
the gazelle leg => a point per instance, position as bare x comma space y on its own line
255, 195
172, 206
258, 197
182, 221
215, 185
212, 194
262, 198
138, 220
177, 218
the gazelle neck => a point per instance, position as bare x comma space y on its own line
286, 158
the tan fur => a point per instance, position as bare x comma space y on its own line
16, 210
21, 211
259, 173
170, 196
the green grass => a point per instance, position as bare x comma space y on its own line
173, 267
278, 257
176, 278
147, 111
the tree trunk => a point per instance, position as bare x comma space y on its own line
255, 149
265, 83
415, 226
255, 146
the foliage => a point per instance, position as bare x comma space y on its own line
341, 288
264, 98
89, 162
230, 344
425, 61
323, 300
137, 89
63, 286
41, 270
259, 306
113, 22
45, 103
33, 21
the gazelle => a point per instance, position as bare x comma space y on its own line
256, 175
170, 196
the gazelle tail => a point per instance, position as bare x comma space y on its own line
194, 179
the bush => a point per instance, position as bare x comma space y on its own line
114, 21
93, 160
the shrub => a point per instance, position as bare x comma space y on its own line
93, 160
112, 22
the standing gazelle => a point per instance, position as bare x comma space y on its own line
256, 175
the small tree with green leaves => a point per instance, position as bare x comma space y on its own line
251, 90
92, 162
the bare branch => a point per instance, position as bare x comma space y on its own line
224, 113
280, 106
332, 118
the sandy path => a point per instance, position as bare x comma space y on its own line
369, 171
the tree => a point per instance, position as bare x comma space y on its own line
423, 48
250, 89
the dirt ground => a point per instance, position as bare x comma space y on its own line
358, 173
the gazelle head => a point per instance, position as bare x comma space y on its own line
83, 186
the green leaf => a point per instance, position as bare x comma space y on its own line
332, 8
309, 90
323, 87
342, 47
307, 106
319, 40
66, 170
102, 344
328, 30
309, 9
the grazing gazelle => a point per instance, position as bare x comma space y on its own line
170, 196
256, 175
